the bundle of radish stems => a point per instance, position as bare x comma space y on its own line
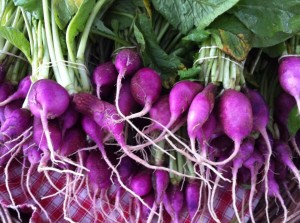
170, 149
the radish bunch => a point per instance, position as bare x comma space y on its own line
187, 142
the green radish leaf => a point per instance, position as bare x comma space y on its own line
189, 74
34, 7
77, 25
64, 10
197, 35
271, 22
236, 46
293, 123
16, 38
186, 14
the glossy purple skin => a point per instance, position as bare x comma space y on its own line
19, 121
146, 86
149, 199
91, 128
246, 149
181, 97
23, 87
48, 98
208, 129
127, 168
127, 103
173, 201
12, 106
161, 181
283, 152
68, 119
74, 139
289, 75
160, 112
141, 183
99, 174
34, 155
103, 113
192, 194
235, 115
105, 74
40, 138
256, 159
273, 187
200, 109
6, 89
260, 109
127, 62
283, 105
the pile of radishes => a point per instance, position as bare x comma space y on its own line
169, 149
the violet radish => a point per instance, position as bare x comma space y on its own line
48, 100
105, 75
199, 111
21, 92
289, 76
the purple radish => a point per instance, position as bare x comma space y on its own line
160, 181
246, 149
105, 75
199, 112
284, 103
21, 92
181, 97
289, 76
9, 108
68, 119
235, 115
48, 100
74, 139
254, 163
173, 202
127, 62
160, 112
274, 190
144, 92
260, 112
34, 157
205, 133
98, 176
283, 153
127, 168
150, 200
40, 138
141, 183
6, 89
192, 195
127, 103
16, 124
